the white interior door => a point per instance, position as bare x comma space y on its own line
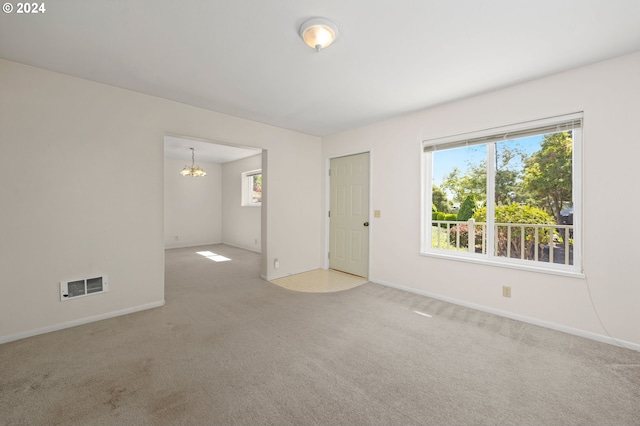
349, 214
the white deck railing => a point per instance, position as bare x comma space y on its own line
541, 242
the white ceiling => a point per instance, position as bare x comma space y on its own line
245, 58
179, 148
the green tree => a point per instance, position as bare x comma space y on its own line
508, 178
548, 173
440, 200
474, 181
257, 183
508, 187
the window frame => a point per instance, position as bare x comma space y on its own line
246, 179
490, 137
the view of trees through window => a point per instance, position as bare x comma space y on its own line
256, 189
530, 182
251, 188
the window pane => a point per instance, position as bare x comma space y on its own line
507, 193
251, 188
459, 188
256, 187
533, 189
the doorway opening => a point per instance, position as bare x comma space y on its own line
210, 210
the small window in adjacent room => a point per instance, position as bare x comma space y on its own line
252, 188
508, 195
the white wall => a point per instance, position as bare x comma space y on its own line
609, 95
192, 205
91, 200
241, 224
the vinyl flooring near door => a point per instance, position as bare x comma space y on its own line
349, 214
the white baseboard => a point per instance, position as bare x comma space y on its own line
547, 324
191, 244
287, 274
68, 324
254, 250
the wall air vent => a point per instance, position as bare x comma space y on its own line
83, 287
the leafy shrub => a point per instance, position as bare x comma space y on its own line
519, 214
464, 235
450, 217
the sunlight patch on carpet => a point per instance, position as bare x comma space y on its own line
320, 281
212, 256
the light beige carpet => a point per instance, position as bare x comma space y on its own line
320, 281
231, 349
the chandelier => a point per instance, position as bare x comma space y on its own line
193, 169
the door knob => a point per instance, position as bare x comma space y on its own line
366, 224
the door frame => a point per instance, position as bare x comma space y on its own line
327, 205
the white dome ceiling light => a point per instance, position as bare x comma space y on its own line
319, 33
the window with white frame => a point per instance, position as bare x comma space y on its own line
252, 188
508, 195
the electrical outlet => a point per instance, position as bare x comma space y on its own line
506, 291
276, 263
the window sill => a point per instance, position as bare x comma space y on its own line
515, 264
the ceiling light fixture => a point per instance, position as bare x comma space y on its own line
319, 33
193, 170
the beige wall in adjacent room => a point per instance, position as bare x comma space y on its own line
192, 205
81, 166
609, 94
241, 224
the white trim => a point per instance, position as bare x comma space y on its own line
426, 194
522, 265
81, 321
246, 190
490, 229
578, 176
253, 250
187, 245
529, 320
372, 224
287, 274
